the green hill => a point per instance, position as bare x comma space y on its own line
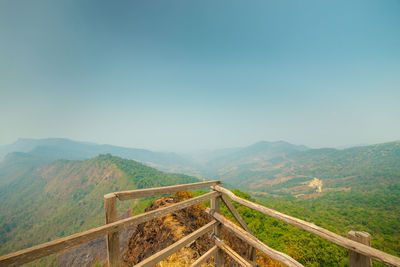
43, 201
341, 190
359, 167
338, 212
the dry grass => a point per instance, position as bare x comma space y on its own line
182, 258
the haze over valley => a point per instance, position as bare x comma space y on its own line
294, 105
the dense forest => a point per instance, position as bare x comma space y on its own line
335, 212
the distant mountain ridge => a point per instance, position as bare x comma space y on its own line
60, 148
262, 151
222, 163
200, 165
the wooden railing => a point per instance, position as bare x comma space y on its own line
112, 227
353, 246
360, 250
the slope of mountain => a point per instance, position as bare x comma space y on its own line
359, 167
341, 190
42, 202
257, 152
16, 164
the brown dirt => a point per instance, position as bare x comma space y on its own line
159, 233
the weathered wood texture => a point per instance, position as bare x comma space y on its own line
219, 256
253, 241
356, 259
239, 219
205, 257
159, 256
113, 253
236, 257
125, 195
36, 252
310, 227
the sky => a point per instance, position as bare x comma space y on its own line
188, 75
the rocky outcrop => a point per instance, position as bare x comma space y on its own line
159, 233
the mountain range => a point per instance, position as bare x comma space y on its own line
264, 166
60, 148
50, 188
199, 164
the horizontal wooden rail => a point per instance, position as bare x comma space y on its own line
36, 252
235, 256
205, 257
159, 256
125, 195
310, 227
253, 241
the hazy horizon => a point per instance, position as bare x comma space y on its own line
184, 76
205, 149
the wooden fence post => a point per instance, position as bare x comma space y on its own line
219, 256
239, 219
356, 259
110, 207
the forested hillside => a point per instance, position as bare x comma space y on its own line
339, 170
338, 213
226, 163
44, 202
341, 190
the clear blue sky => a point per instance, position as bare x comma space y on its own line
181, 75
